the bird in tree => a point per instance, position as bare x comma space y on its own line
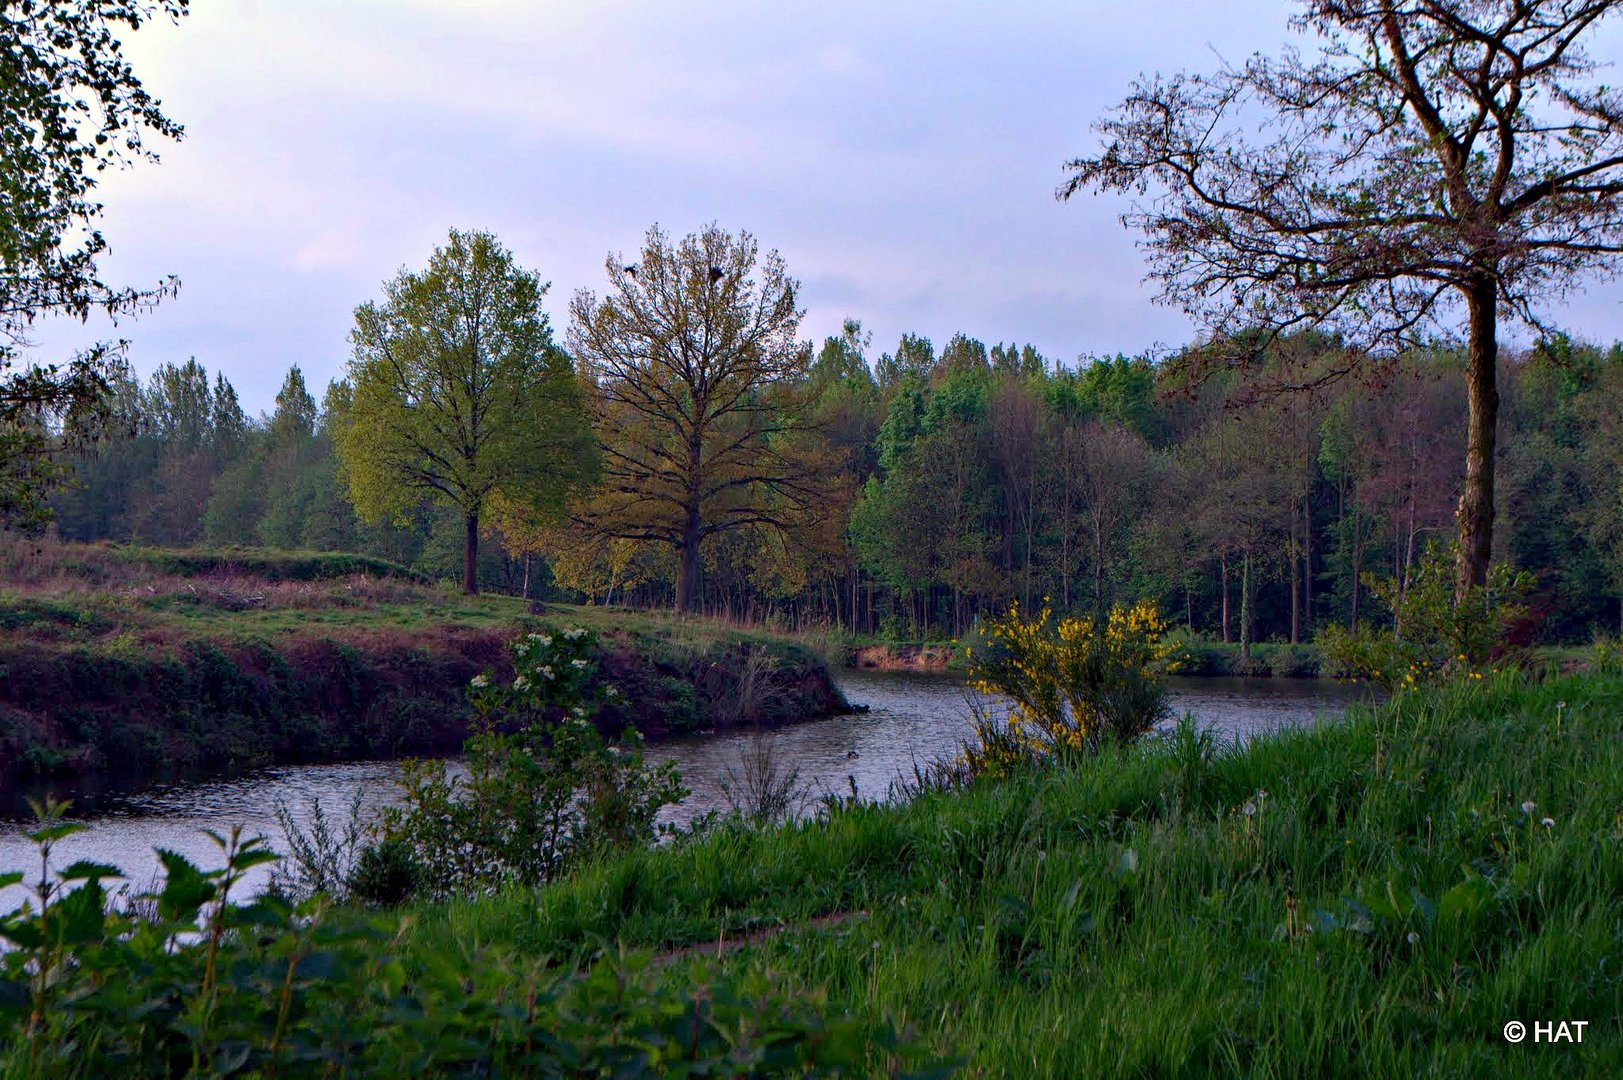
696, 380
71, 107
1436, 161
459, 394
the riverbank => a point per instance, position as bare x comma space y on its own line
134, 662
1373, 898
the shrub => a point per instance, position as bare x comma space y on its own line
1190, 653
1074, 683
1293, 661
543, 789
1435, 637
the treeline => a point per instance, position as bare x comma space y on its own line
973, 476
186, 466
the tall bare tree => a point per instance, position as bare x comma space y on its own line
698, 381
1436, 158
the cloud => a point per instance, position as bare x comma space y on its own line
902, 157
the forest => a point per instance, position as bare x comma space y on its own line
1253, 505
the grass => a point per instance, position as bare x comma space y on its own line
87, 592
114, 662
1364, 899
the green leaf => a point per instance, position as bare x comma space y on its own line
23, 933
247, 859
1465, 900
86, 870
10, 878
52, 833
81, 915
186, 888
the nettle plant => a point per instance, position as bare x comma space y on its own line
193, 979
544, 788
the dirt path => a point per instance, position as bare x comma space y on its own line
724, 944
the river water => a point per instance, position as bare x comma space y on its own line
912, 718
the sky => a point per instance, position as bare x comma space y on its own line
902, 157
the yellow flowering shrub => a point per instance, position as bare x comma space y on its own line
1074, 683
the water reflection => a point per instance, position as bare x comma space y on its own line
912, 718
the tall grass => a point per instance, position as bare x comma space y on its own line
1375, 898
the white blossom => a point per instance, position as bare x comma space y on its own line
546, 671
1548, 823
480, 681
1528, 806
577, 663
520, 683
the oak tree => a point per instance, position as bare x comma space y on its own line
1434, 160
697, 385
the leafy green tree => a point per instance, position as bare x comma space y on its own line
459, 392
914, 356
71, 107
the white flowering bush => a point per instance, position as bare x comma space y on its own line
544, 788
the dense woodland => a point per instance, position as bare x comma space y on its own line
957, 479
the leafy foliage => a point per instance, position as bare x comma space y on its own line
458, 393
544, 789
204, 986
71, 107
1435, 635
1074, 683
696, 378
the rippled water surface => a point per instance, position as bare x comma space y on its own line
912, 718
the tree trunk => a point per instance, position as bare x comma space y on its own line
1357, 568
1307, 563
1225, 581
1296, 586
687, 571
1098, 570
470, 556
1482, 398
1245, 609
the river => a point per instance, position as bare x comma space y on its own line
912, 718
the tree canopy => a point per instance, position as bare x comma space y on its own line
71, 107
696, 380
458, 392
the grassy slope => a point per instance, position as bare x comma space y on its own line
134, 660
1386, 909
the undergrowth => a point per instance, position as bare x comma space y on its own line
1373, 898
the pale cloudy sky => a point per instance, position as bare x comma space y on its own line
901, 156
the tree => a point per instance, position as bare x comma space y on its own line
71, 107
697, 393
1436, 156
458, 392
